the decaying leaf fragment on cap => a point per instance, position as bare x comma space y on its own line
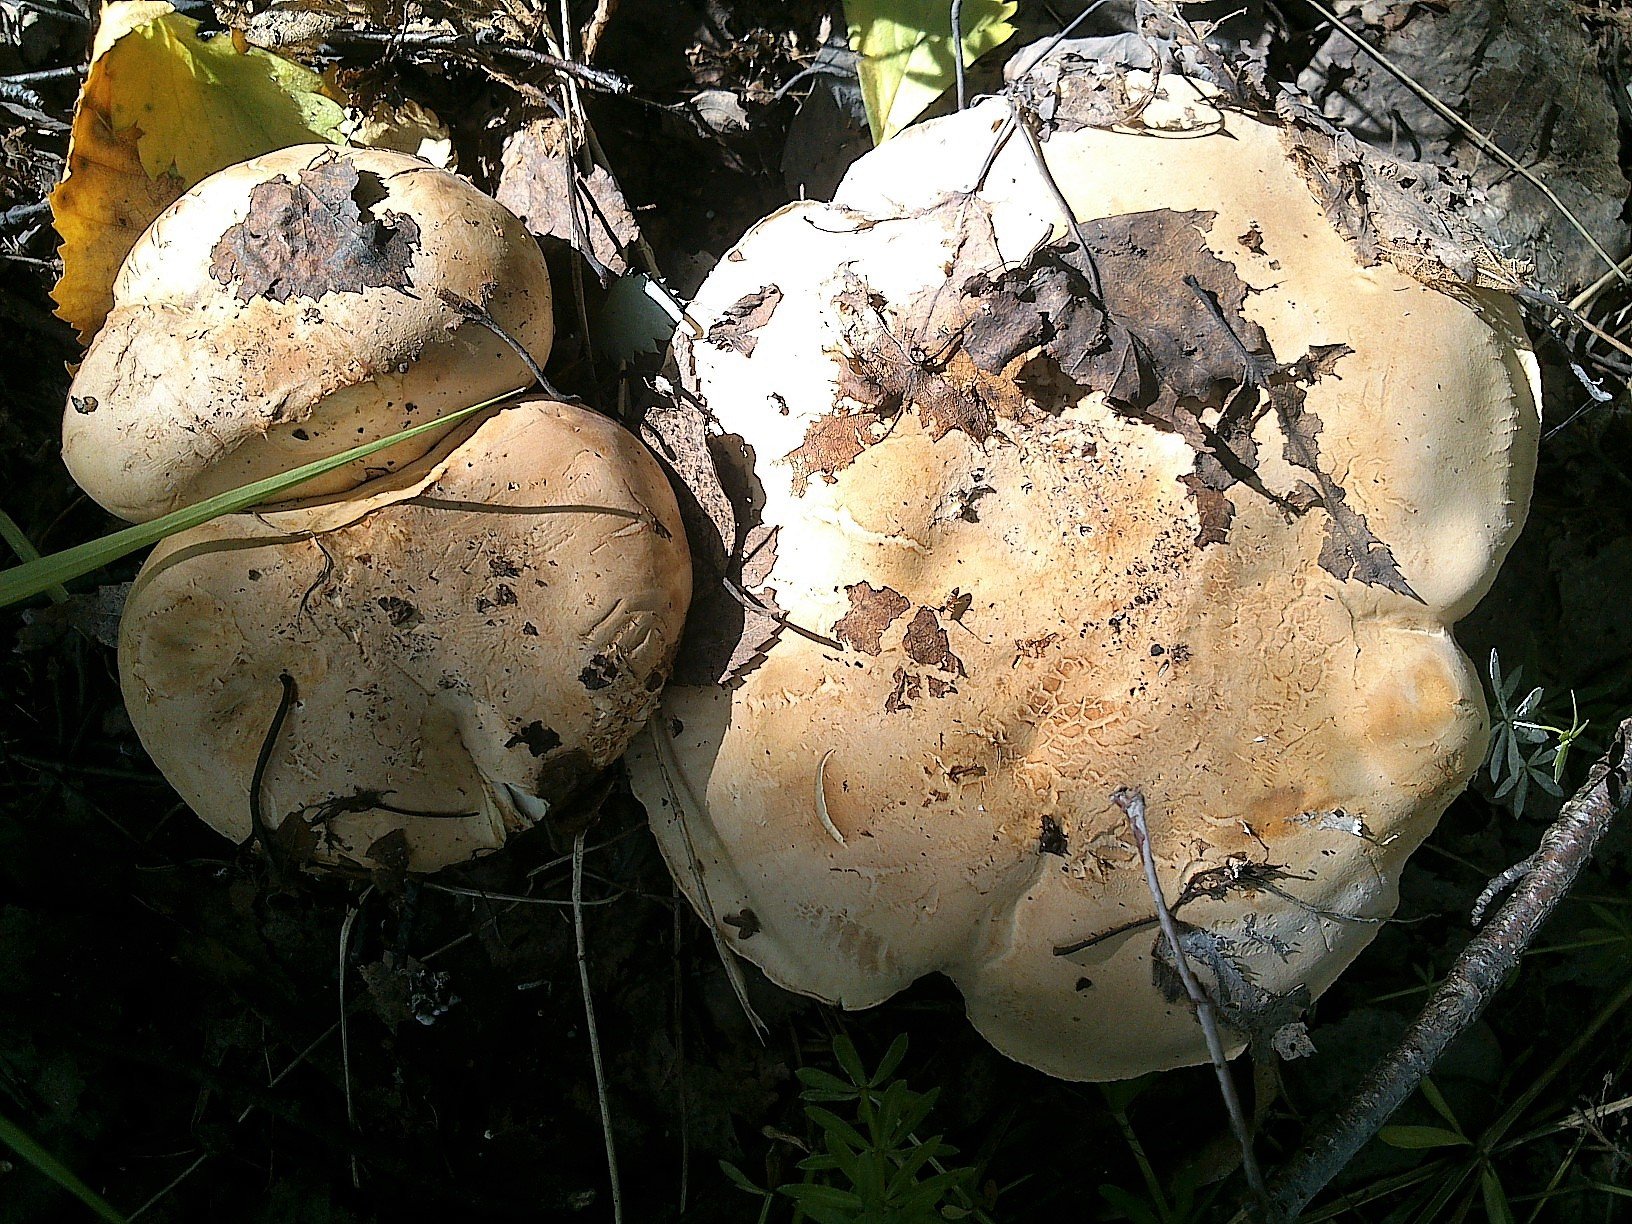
1181, 493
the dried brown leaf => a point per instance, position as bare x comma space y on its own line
737, 328
872, 611
309, 239
556, 200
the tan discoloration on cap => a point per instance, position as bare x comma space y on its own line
1235, 680
401, 612
204, 381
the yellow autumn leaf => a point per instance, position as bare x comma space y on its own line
162, 109
905, 49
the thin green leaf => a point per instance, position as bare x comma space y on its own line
869, 1179
845, 1051
740, 1179
1436, 1098
31, 578
1498, 748
892, 1059
1623, 1191
1129, 1204
1560, 757
812, 1197
831, 1124
824, 1086
21, 1142
1512, 684
914, 1110
1497, 1208
911, 1165
1421, 1137
25, 550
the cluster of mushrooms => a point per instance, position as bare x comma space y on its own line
451, 637
1024, 488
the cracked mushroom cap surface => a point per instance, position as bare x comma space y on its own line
469, 639
1192, 517
294, 306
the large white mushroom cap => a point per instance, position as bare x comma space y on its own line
468, 640
1028, 552
294, 306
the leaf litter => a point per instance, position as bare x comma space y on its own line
1166, 342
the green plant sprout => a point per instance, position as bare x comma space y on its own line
1173, 1199
1523, 750
870, 1169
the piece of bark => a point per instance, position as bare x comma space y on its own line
1521, 72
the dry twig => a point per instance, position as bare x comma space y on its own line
345, 1030
1132, 803
589, 1021
599, 79
596, 29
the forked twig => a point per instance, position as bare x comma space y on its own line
1470, 985
1132, 803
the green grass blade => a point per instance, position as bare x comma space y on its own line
25, 550
1607, 1188
21, 1142
32, 577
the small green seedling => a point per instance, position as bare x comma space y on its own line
870, 1166
1523, 750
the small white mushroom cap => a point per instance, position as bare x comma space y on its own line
294, 306
1004, 618
469, 640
